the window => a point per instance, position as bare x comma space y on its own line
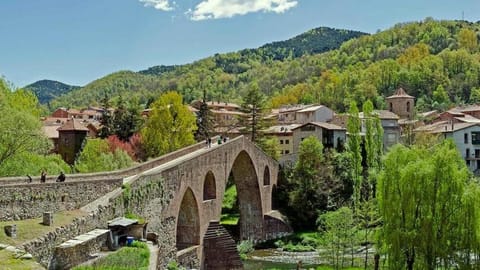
465, 138
467, 153
281, 141
281, 152
287, 151
391, 106
408, 106
476, 137
302, 139
391, 138
308, 128
287, 142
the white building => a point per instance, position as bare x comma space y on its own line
466, 137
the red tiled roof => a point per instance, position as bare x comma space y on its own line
73, 124
400, 93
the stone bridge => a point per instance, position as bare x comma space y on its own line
180, 195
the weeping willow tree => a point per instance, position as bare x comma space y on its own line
430, 209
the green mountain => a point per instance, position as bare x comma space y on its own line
147, 84
438, 62
314, 41
46, 90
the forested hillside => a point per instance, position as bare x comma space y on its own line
46, 90
221, 70
436, 61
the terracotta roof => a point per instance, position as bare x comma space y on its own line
281, 128
428, 114
222, 104
445, 127
50, 131
469, 108
227, 112
467, 119
400, 93
90, 112
322, 125
73, 124
383, 114
293, 108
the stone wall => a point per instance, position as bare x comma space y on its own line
188, 258
43, 248
80, 249
100, 176
19, 202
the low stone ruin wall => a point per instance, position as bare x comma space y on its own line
188, 257
43, 248
80, 249
19, 202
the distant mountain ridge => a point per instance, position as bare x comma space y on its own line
314, 41
46, 90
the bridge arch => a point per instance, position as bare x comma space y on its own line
249, 197
266, 176
188, 222
209, 187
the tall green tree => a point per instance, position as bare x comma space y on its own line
354, 147
306, 196
97, 157
254, 105
204, 120
126, 119
430, 218
170, 126
339, 229
20, 129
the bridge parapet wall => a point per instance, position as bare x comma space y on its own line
19, 202
100, 176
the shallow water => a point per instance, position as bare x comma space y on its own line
277, 259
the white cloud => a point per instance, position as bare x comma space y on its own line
158, 4
216, 9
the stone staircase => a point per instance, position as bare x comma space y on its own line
217, 238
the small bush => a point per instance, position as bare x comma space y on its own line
244, 248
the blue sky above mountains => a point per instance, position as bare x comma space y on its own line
78, 41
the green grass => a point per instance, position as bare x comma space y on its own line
229, 219
30, 229
134, 257
8, 261
230, 198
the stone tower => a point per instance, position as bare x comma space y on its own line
70, 139
401, 104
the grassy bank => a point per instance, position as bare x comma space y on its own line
8, 261
30, 229
134, 257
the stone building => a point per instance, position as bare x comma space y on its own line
401, 104
70, 139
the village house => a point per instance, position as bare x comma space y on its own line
330, 135
284, 136
465, 135
302, 114
391, 128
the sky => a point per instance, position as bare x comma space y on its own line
78, 41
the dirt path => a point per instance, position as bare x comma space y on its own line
153, 255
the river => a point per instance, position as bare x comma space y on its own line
277, 259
